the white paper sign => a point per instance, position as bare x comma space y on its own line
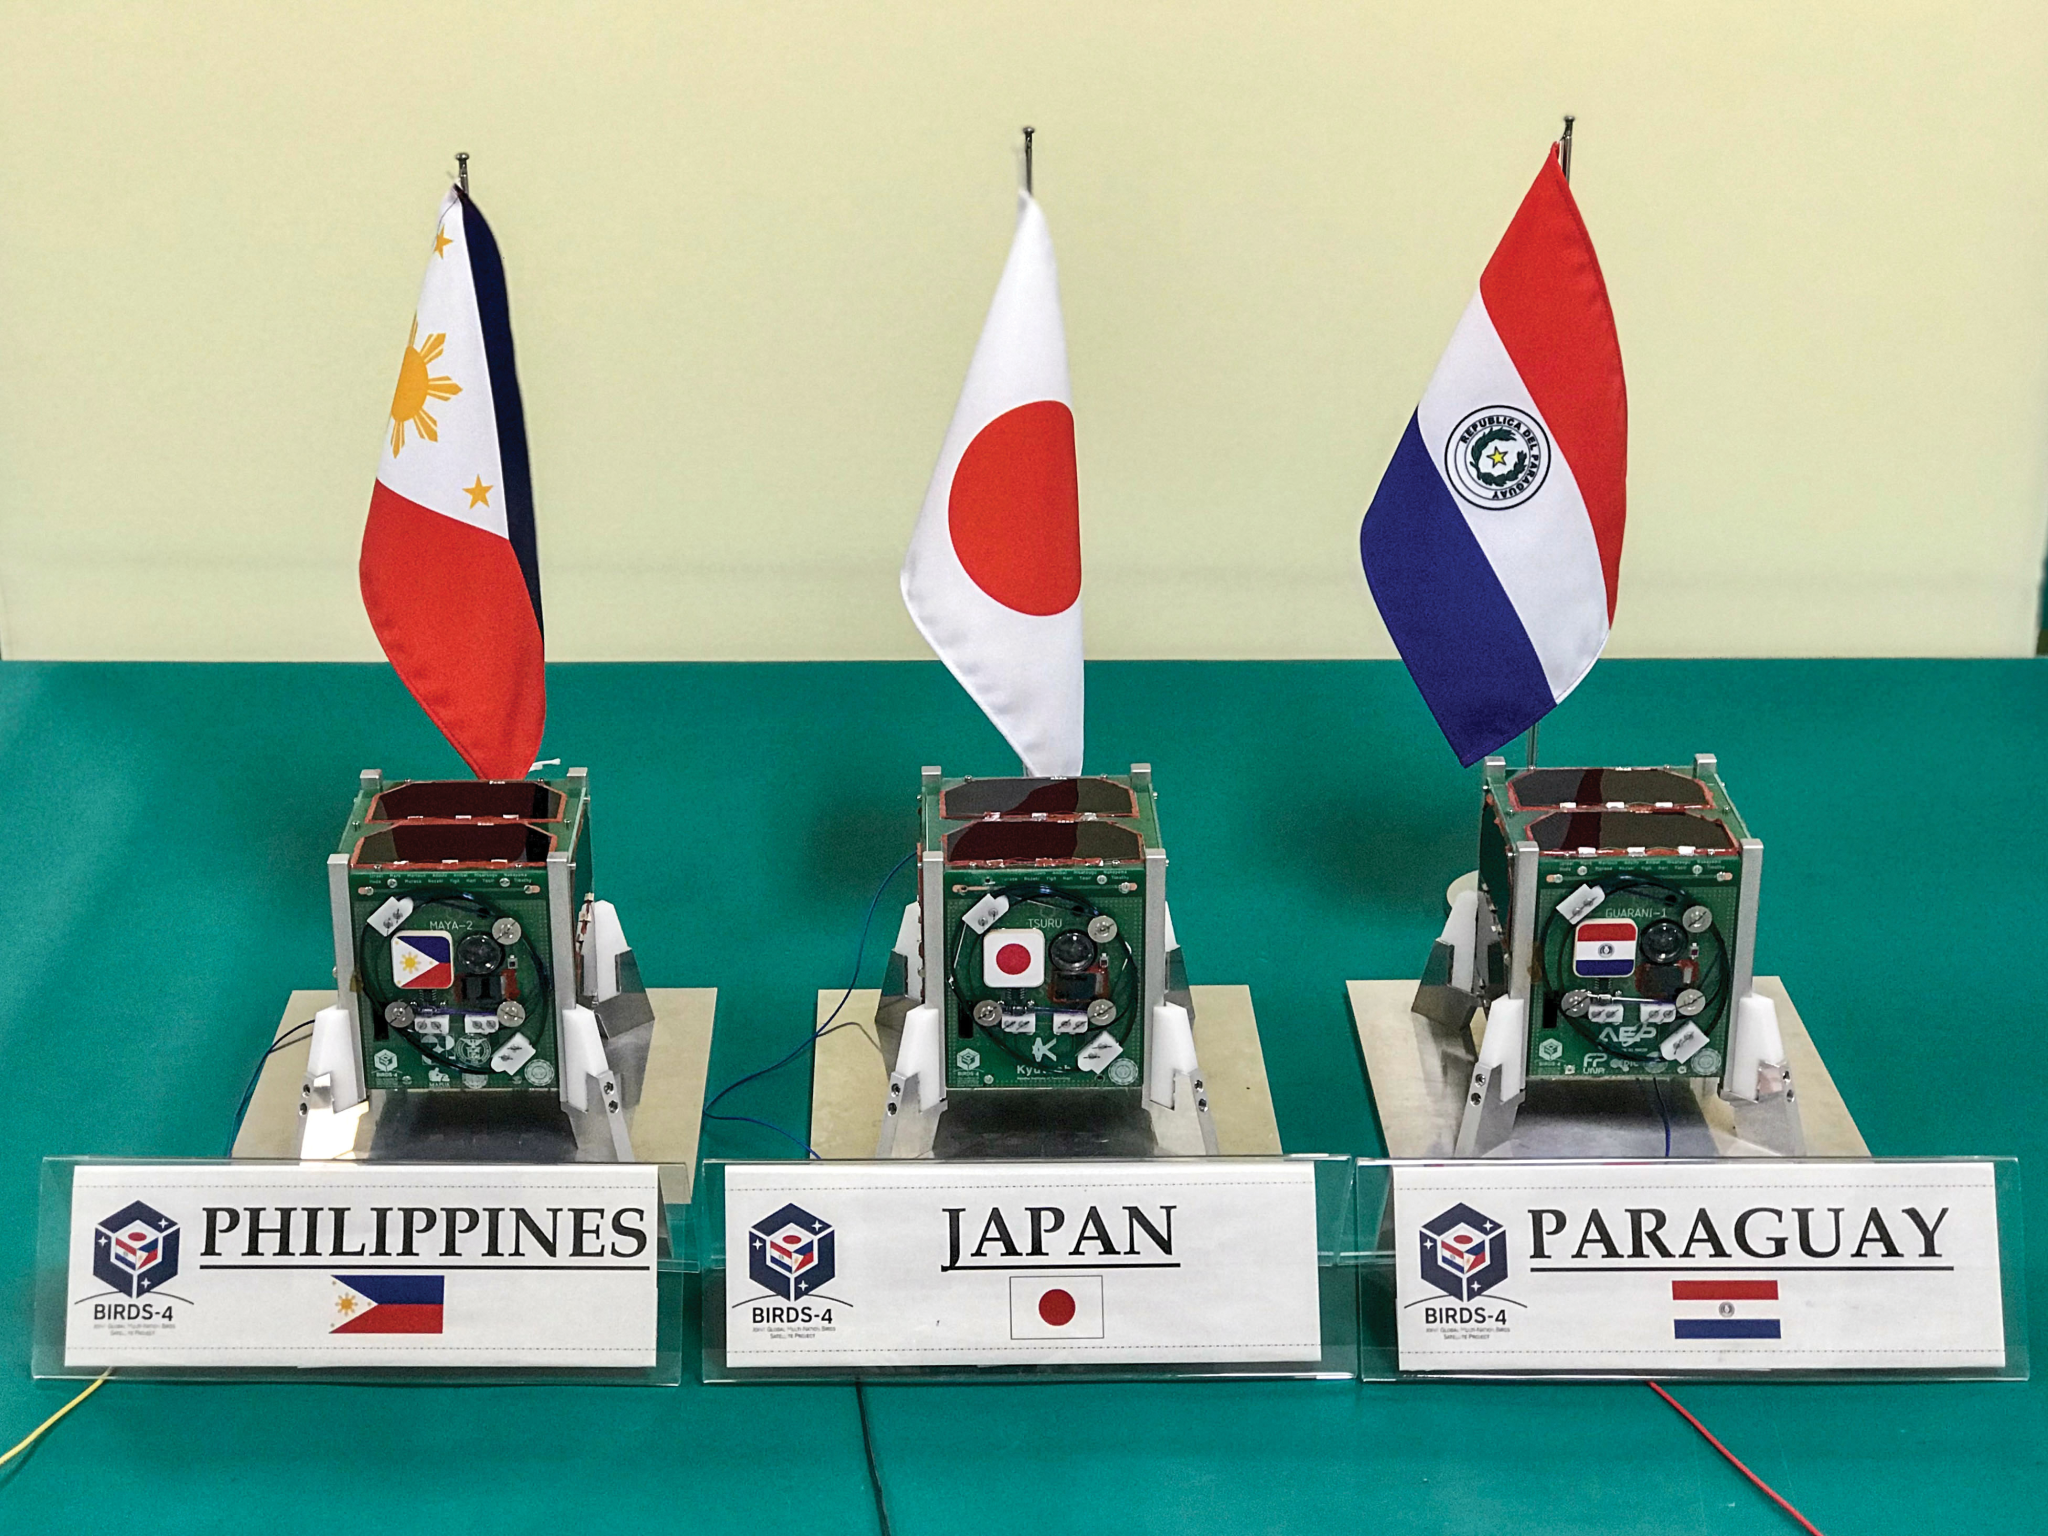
363, 1264
1757, 1265
989, 1263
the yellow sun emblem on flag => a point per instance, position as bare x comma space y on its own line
345, 1305
416, 387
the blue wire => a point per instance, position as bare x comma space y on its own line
766, 1125
859, 953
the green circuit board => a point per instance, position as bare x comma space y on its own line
1637, 916
454, 928
1065, 860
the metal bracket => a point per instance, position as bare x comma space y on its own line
1499, 1079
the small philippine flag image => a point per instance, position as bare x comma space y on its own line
388, 1303
1725, 1309
1056, 1307
1605, 947
423, 958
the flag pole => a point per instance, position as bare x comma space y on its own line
1028, 131
462, 165
1564, 164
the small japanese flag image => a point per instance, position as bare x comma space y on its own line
1013, 957
423, 958
1056, 1307
1606, 947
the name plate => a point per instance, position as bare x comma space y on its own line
361, 1264
874, 1264
1756, 1265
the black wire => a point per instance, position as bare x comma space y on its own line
289, 1037
867, 1441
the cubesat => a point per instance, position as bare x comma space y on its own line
1041, 999
473, 961
1611, 935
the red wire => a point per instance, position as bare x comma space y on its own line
1736, 1461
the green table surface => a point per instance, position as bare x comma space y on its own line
164, 891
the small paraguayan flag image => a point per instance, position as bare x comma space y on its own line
1725, 1309
1606, 947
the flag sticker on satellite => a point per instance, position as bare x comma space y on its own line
1605, 948
1056, 1306
423, 958
1013, 957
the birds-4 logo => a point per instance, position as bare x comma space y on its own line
1464, 1252
135, 1250
791, 1252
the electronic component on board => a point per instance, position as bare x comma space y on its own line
471, 955
1611, 935
1036, 977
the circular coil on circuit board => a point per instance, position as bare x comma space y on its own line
403, 1016
1665, 961
1062, 959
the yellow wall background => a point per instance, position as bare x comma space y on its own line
750, 245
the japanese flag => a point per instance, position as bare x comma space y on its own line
1056, 1307
993, 577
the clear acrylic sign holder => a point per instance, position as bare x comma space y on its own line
1726, 1296
54, 1303
719, 1281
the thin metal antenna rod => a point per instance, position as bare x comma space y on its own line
1564, 147
1028, 131
462, 169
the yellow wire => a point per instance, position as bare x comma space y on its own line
41, 1429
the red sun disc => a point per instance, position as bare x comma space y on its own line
1056, 1308
1015, 510
1013, 959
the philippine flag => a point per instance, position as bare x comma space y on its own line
450, 575
389, 1303
423, 958
1056, 1307
1494, 541
993, 576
